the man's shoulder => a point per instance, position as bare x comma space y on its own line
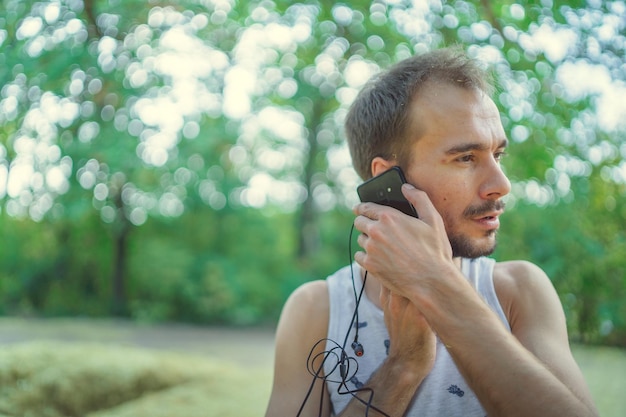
305, 314
315, 294
516, 270
518, 282
310, 291
520, 276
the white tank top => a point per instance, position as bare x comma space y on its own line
443, 392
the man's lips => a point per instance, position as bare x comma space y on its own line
489, 220
494, 214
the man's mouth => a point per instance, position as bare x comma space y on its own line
491, 221
490, 216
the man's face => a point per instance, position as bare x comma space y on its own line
456, 161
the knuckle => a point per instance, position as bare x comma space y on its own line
386, 216
375, 233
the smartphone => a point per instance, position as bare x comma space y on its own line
385, 189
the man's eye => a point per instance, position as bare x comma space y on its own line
466, 158
499, 155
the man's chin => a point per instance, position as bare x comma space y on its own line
464, 247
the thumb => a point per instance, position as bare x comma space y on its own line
426, 211
410, 192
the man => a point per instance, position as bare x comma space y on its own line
444, 331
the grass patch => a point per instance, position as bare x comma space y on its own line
604, 369
62, 380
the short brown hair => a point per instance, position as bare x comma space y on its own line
377, 122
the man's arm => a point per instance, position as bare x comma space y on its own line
304, 322
527, 372
411, 356
517, 374
537, 320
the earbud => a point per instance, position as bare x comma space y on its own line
358, 348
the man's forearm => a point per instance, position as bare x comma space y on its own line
510, 381
388, 392
506, 377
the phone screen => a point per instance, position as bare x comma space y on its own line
385, 189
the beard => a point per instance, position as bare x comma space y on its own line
467, 247
464, 247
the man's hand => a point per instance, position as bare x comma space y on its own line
411, 357
399, 250
412, 342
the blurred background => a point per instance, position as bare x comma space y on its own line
184, 162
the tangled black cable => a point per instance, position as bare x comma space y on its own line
348, 365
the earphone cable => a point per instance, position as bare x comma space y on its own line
343, 360
357, 298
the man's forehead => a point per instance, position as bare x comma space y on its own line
461, 118
451, 98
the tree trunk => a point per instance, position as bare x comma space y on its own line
120, 256
308, 235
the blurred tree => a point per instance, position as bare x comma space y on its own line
217, 119
101, 105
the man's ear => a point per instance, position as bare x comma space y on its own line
380, 165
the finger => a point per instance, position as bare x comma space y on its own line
361, 223
384, 296
369, 210
390, 302
426, 211
362, 240
359, 258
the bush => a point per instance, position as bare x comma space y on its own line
58, 379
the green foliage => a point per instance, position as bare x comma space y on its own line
58, 268
208, 267
585, 263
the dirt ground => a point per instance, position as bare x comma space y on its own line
249, 347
